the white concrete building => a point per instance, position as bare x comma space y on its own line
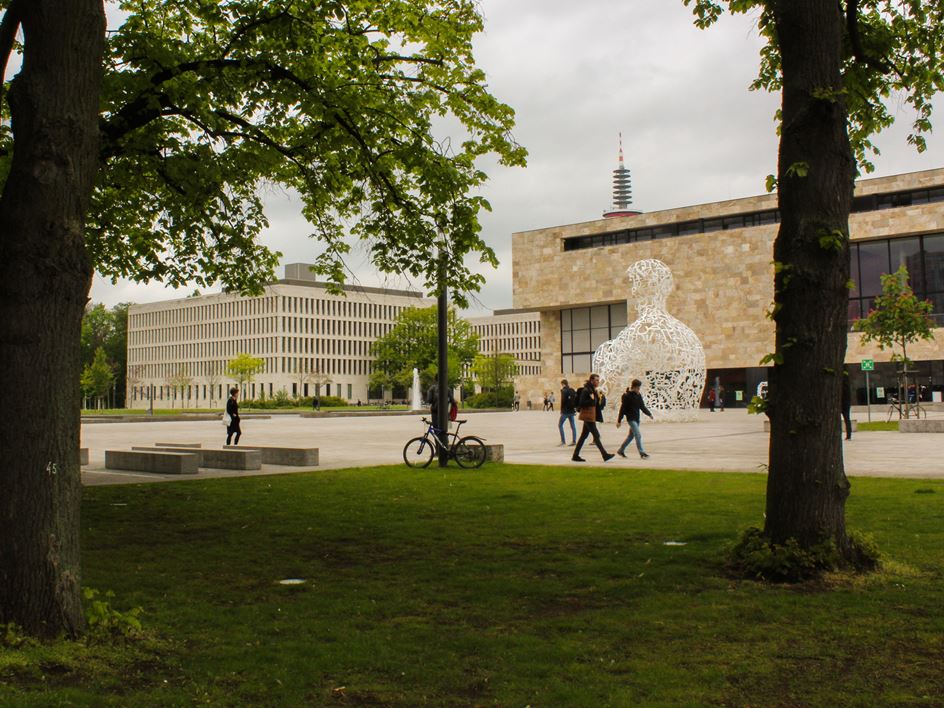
309, 339
515, 333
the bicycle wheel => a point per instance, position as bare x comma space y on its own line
418, 452
470, 452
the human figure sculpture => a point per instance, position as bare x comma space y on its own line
657, 348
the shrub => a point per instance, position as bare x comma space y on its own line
491, 399
104, 620
754, 556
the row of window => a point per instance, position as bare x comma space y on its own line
507, 328
583, 329
871, 202
220, 392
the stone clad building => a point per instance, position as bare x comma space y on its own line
721, 258
309, 339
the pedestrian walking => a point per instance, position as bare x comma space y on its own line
232, 412
591, 413
516, 403
712, 395
721, 397
568, 411
630, 406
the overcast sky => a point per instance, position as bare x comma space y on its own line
577, 75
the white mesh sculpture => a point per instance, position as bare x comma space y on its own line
657, 349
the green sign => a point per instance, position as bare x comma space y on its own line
868, 365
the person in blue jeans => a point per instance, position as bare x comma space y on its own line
630, 406
568, 411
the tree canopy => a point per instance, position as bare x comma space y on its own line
413, 343
494, 371
244, 367
898, 318
346, 102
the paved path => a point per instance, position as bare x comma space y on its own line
732, 441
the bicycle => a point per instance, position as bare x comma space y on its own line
468, 452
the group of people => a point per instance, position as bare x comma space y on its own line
587, 404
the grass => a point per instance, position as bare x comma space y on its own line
891, 425
510, 585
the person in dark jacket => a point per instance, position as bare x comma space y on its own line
568, 410
589, 403
432, 397
846, 402
630, 406
232, 410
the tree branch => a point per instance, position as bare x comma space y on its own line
855, 41
8, 29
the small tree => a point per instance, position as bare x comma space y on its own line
494, 372
179, 381
898, 319
244, 369
98, 377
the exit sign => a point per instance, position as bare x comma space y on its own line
868, 365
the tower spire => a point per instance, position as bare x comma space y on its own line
622, 188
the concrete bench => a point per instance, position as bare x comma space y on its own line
83, 457
172, 444
921, 425
288, 456
494, 453
219, 459
157, 461
855, 425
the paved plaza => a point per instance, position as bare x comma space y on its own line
732, 441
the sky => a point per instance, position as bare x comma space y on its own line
577, 76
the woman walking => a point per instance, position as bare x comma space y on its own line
589, 405
232, 410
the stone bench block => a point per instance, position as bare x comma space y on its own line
855, 425
921, 425
220, 459
172, 444
157, 461
288, 456
494, 453
83, 456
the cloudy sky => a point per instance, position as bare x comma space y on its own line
577, 75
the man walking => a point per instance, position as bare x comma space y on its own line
590, 413
630, 406
568, 410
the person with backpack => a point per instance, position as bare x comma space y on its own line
591, 413
568, 411
630, 407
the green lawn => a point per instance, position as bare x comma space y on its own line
890, 425
509, 585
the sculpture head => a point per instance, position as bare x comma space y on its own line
650, 282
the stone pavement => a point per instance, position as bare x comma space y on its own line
732, 441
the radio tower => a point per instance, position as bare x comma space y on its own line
622, 189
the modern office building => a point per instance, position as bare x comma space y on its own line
721, 255
515, 333
309, 339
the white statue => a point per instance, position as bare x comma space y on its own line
417, 402
657, 349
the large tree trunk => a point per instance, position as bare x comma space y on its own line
45, 275
806, 486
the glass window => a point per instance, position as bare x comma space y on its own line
937, 299
617, 317
906, 252
689, 227
581, 318
600, 316
854, 268
873, 263
581, 364
582, 340
855, 310
598, 335
933, 263
733, 222
712, 225
565, 320
566, 342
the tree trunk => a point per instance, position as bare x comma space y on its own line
806, 485
45, 275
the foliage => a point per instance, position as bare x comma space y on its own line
104, 621
890, 48
244, 367
98, 377
413, 343
899, 318
494, 371
501, 398
342, 102
754, 556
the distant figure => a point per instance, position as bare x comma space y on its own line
568, 410
721, 397
846, 402
590, 413
516, 403
630, 407
316, 403
232, 410
712, 394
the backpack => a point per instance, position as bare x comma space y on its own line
570, 398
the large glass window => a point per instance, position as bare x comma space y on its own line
583, 329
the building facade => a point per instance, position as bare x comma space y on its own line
309, 340
514, 333
721, 256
